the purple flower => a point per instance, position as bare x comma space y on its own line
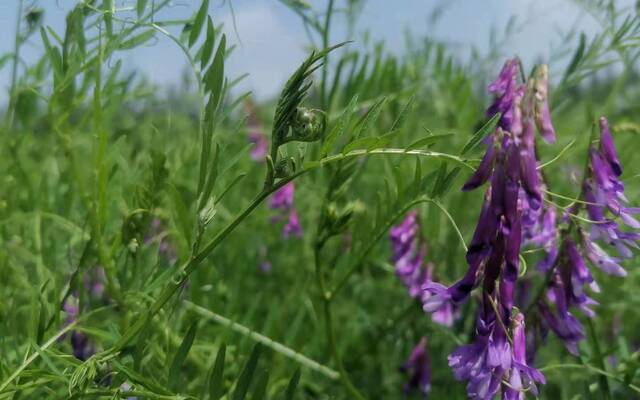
82, 347
282, 199
418, 366
512, 213
567, 290
521, 377
602, 260
265, 266
260, 145
540, 230
292, 227
604, 193
484, 362
607, 148
408, 257
506, 90
256, 133
483, 172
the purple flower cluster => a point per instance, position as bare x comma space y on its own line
418, 366
603, 193
94, 286
511, 212
82, 347
408, 258
282, 200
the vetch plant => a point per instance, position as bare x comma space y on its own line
133, 218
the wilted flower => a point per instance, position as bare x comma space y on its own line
542, 113
418, 366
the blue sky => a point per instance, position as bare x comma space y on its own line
271, 39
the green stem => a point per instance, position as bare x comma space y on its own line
593, 369
325, 44
275, 346
328, 323
604, 382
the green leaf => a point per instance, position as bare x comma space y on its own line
216, 383
477, 137
294, 92
211, 179
427, 141
442, 175
53, 53
230, 163
209, 42
260, 387
181, 356
141, 344
137, 40
293, 384
146, 381
5, 58
196, 28
339, 127
369, 118
140, 6
402, 115
448, 181
214, 76
235, 180
382, 141
182, 217
247, 373
417, 178
360, 144
577, 56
